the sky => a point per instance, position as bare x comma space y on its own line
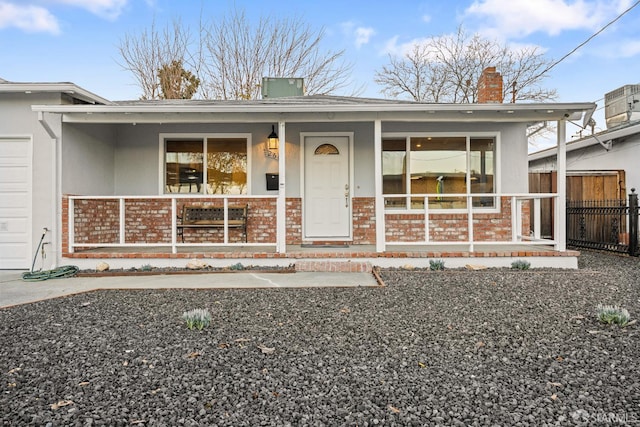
77, 40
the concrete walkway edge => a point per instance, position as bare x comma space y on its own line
15, 291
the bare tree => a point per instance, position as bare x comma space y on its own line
237, 54
146, 53
232, 54
447, 69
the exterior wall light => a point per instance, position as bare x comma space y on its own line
272, 139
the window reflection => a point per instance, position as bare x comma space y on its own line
224, 168
184, 161
440, 166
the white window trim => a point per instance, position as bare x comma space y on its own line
468, 136
203, 136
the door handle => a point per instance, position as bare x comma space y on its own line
346, 195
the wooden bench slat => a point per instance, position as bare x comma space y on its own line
212, 217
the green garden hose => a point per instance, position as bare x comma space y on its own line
56, 273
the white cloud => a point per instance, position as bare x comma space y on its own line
392, 47
109, 9
29, 18
361, 35
519, 18
426, 18
622, 48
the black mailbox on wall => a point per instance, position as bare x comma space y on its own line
273, 181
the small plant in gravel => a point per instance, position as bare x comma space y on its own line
197, 318
237, 266
520, 264
436, 264
146, 267
612, 314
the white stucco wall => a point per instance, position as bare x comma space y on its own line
17, 120
137, 165
88, 153
124, 159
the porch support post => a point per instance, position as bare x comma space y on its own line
560, 226
377, 175
281, 205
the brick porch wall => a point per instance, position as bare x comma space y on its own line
95, 221
364, 220
149, 221
454, 227
294, 220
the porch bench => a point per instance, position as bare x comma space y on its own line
212, 217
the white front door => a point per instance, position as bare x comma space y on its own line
15, 203
327, 192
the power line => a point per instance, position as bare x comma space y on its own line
586, 41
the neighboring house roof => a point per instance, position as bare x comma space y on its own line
63, 87
604, 137
314, 107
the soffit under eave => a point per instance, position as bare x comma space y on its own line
322, 117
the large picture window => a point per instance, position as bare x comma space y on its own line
443, 167
210, 165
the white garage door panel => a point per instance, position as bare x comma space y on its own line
9, 226
13, 253
14, 201
15, 209
14, 175
14, 149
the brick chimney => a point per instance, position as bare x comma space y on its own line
490, 87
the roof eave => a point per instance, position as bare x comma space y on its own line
466, 112
68, 88
588, 141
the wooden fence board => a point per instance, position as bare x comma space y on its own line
581, 185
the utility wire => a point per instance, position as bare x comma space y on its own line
585, 42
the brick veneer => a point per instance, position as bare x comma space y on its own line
364, 220
149, 221
454, 227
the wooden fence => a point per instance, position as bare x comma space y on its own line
581, 185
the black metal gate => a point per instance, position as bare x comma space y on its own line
610, 225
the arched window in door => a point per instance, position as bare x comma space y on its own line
326, 149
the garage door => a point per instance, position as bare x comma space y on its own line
15, 205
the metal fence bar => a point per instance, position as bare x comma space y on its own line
610, 225
634, 213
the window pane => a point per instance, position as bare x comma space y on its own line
226, 166
481, 161
183, 165
394, 157
438, 165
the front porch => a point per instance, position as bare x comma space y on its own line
132, 231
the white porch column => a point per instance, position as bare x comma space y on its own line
377, 174
560, 226
281, 205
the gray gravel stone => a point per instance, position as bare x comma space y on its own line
453, 347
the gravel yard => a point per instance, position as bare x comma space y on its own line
490, 347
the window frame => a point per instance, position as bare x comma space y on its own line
468, 136
204, 136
